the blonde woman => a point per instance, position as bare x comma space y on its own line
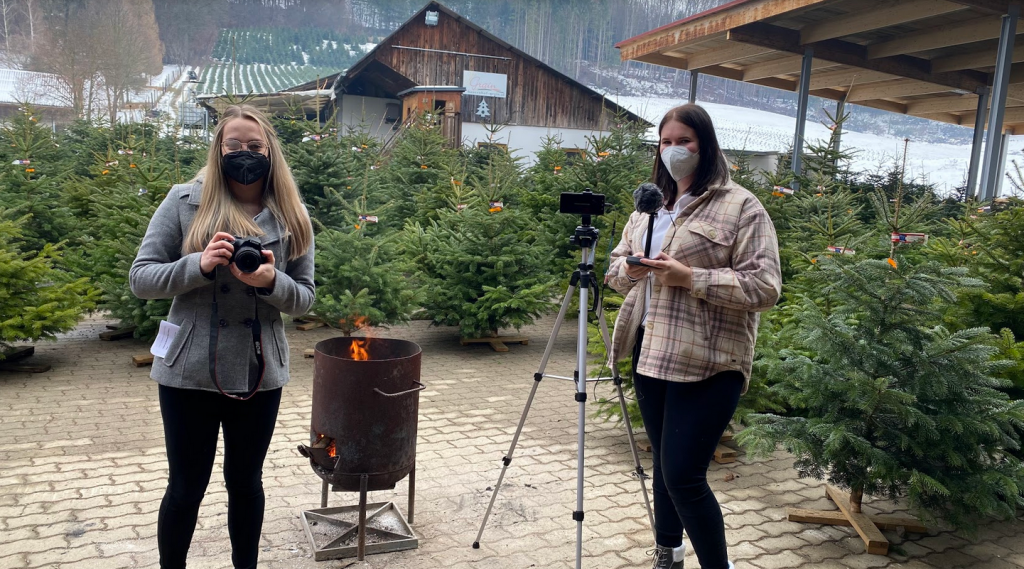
228, 359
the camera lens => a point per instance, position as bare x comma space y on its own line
248, 260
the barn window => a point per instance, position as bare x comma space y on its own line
493, 146
574, 155
392, 112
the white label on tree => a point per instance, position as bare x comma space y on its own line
482, 110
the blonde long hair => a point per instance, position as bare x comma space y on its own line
219, 211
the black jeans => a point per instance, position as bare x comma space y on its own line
192, 422
684, 423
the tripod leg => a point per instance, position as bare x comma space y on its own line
581, 399
507, 459
639, 469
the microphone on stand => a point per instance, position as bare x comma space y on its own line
648, 199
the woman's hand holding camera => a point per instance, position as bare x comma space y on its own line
218, 252
263, 277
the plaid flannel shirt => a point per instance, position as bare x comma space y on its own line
729, 241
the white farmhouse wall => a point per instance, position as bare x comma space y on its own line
522, 141
368, 111
526, 141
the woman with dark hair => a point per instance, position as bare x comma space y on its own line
690, 321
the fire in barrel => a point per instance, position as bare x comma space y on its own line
365, 411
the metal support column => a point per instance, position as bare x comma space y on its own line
979, 140
694, 77
1001, 169
801, 112
999, 85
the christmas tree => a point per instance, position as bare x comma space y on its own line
887, 401
317, 162
126, 186
991, 247
28, 183
362, 278
481, 263
38, 297
418, 163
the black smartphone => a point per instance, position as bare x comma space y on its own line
632, 260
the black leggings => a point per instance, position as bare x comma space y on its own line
684, 423
192, 422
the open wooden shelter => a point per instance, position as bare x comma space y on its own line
947, 60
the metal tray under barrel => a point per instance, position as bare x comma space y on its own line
334, 532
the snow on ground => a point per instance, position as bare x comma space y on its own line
169, 74
738, 128
18, 86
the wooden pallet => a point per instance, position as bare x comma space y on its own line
867, 526
13, 361
306, 326
498, 342
143, 360
723, 454
308, 353
117, 334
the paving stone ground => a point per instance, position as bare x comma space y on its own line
82, 472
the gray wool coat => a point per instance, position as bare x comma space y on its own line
161, 271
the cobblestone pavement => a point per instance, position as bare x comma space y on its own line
82, 472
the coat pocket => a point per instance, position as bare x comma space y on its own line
711, 246
178, 344
277, 331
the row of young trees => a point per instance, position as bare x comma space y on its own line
890, 369
277, 46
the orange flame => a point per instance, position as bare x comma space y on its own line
332, 451
358, 350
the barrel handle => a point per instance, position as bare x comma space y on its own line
413, 390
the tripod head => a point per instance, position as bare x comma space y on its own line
585, 204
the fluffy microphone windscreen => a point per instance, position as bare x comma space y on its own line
648, 198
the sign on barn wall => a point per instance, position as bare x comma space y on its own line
485, 84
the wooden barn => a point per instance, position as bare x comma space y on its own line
442, 62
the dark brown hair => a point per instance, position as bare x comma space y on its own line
711, 167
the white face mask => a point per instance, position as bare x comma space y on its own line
680, 161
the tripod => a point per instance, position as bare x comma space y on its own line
584, 278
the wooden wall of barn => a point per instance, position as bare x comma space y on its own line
536, 96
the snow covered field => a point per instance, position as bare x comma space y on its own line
944, 165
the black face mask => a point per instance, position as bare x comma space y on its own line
245, 167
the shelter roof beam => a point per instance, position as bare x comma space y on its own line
847, 53
946, 35
883, 14
984, 58
782, 66
704, 26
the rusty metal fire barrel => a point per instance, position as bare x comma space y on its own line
365, 412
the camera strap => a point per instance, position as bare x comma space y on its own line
257, 344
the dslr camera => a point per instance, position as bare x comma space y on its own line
247, 255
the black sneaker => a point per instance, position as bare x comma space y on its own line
663, 558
